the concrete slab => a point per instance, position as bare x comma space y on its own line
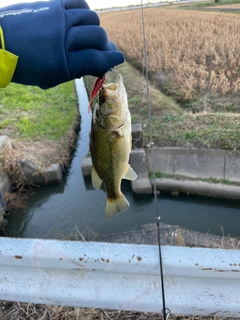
193, 163
138, 161
86, 166
211, 166
5, 141
187, 165
5, 182
164, 160
2, 212
53, 173
31, 172
205, 164
33, 175
199, 187
232, 168
137, 136
142, 186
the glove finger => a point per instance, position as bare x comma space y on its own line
73, 4
88, 37
81, 17
92, 62
112, 46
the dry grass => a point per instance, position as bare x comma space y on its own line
25, 311
194, 58
42, 152
193, 53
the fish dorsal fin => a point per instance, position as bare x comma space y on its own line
96, 181
130, 174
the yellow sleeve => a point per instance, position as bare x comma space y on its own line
8, 63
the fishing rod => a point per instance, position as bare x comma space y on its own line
165, 311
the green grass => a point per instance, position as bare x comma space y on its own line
160, 174
213, 180
212, 3
36, 113
219, 130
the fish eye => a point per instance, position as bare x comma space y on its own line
102, 99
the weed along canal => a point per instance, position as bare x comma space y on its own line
53, 211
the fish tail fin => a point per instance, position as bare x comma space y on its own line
114, 206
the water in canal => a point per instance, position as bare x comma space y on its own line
57, 209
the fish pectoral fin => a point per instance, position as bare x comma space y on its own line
114, 206
96, 181
119, 130
130, 174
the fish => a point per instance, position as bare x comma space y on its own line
111, 144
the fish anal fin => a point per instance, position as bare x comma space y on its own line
114, 206
130, 174
96, 181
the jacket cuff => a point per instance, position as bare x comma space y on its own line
8, 63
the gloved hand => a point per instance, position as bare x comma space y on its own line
56, 41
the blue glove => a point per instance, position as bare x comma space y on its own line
56, 41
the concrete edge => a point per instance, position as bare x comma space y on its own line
5, 182
34, 175
198, 187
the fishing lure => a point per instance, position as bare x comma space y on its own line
97, 86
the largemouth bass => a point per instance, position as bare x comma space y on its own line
111, 144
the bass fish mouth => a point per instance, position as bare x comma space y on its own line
111, 91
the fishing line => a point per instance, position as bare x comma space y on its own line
165, 311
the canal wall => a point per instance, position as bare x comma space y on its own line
5, 183
31, 173
196, 163
186, 166
171, 235
184, 179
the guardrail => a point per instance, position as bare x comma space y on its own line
198, 281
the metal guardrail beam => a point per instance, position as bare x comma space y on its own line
198, 281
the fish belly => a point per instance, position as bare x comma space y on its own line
110, 155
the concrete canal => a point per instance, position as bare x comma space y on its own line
55, 210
